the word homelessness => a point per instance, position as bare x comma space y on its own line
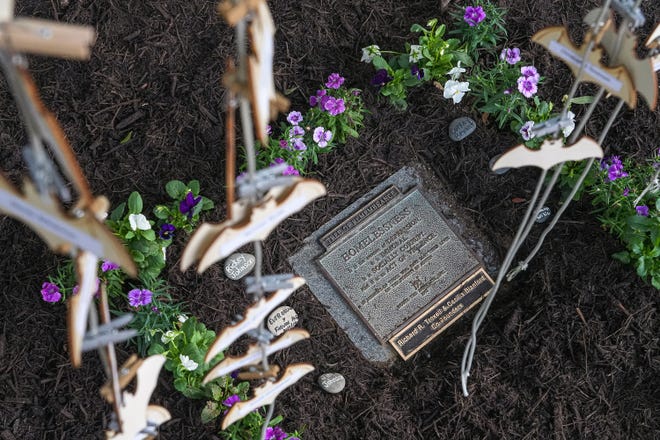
378, 232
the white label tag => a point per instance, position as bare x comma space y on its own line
570, 56
38, 219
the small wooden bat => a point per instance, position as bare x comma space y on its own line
6, 11
640, 70
551, 153
616, 80
137, 415
653, 42
261, 220
255, 354
78, 305
207, 232
254, 316
41, 37
272, 371
266, 393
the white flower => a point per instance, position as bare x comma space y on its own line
415, 53
139, 221
456, 90
182, 318
456, 72
188, 363
571, 126
526, 131
369, 52
168, 336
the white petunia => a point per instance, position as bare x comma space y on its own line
456, 72
139, 221
571, 126
369, 52
168, 336
415, 53
456, 90
182, 318
188, 363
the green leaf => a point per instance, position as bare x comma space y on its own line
162, 212
129, 235
193, 185
149, 234
380, 63
135, 203
207, 204
582, 100
181, 385
464, 58
176, 189
622, 256
641, 267
138, 256
126, 138
211, 411
156, 348
657, 204
118, 212
417, 28
655, 281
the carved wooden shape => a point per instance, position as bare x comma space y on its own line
266, 394
78, 305
272, 371
136, 413
206, 233
254, 354
41, 37
616, 80
640, 70
6, 10
551, 153
235, 11
262, 220
653, 42
254, 316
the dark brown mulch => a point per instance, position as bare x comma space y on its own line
570, 349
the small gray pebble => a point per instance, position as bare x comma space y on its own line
332, 382
238, 265
281, 319
499, 171
461, 128
544, 215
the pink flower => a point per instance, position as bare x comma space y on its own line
108, 265
512, 56
531, 73
50, 292
335, 81
139, 297
322, 136
334, 106
294, 118
527, 87
474, 15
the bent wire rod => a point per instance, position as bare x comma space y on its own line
535, 206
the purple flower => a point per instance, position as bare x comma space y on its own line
188, 204
155, 310
527, 87
531, 73
381, 78
416, 72
296, 131
299, 145
526, 130
334, 106
316, 100
507, 92
50, 292
294, 118
166, 231
335, 81
231, 400
275, 433
642, 210
322, 136
139, 297
512, 56
108, 265
474, 15
284, 144
277, 161
626, 191
269, 130
615, 169
291, 171
234, 374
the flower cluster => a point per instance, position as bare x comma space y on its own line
614, 168
50, 292
454, 89
528, 81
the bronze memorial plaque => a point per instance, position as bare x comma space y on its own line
402, 269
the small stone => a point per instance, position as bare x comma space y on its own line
543, 215
281, 319
499, 170
332, 382
238, 265
461, 128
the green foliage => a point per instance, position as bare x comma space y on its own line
623, 214
171, 212
486, 36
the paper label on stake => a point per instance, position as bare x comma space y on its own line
570, 56
35, 217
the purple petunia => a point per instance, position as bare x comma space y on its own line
511, 56
615, 169
530, 72
334, 106
626, 191
322, 136
231, 400
188, 204
299, 145
527, 87
296, 131
317, 100
290, 169
275, 433
335, 81
416, 72
294, 118
166, 231
474, 15
284, 144
108, 265
50, 292
526, 130
139, 297
642, 210
381, 78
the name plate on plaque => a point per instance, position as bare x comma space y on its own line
402, 269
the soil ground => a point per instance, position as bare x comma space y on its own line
569, 350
